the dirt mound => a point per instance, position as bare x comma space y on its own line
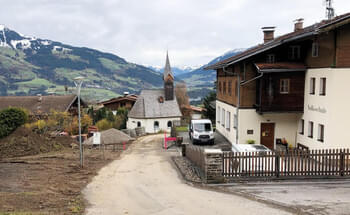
24, 142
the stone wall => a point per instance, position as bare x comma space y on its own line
213, 166
208, 160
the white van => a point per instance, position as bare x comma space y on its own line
201, 131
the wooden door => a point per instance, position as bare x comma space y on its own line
267, 135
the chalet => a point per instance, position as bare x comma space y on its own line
127, 101
293, 86
156, 109
39, 106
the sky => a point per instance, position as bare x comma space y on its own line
140, 31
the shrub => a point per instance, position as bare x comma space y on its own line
250, 141
104, 124
10, 119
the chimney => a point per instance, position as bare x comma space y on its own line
126, 93
298, 24
268, 33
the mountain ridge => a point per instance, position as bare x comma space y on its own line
30, 65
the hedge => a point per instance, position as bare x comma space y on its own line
10, 119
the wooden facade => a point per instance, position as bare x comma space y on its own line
271, 97
326, 49
127, 102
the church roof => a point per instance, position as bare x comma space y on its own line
152, 104
167, 68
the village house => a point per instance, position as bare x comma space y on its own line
40, 106
127, 101
156, 109
293, 87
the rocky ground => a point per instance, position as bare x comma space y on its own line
189, 171
50, 182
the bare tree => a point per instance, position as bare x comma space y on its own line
183, 99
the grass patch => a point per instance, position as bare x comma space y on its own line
182, 129
109, 64
36, 82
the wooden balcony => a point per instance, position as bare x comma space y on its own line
280, 91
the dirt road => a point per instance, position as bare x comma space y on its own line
144, 181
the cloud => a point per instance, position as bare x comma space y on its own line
194, 31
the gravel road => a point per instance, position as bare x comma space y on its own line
144, 181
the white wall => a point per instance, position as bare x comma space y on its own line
196, 116
333, 109
229, 134
286, 124
149, 124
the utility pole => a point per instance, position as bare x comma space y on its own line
78, 81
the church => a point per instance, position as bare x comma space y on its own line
156, 109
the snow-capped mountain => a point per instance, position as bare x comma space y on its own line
30, 65
175, 69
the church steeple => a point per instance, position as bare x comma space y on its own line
168, 78
167, 69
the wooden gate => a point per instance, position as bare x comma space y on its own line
295, 164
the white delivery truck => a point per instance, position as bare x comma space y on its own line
201, 131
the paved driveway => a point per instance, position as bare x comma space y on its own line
144, 181
308, 196
220, 141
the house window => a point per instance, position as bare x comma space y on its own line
315, 49
270, 58
228, 120
170, 124
322, 86
312, 86
223, 117
122, 104
284, 86
156, 126
224, 87
218, 115
320, 133
301, 126
311, 129
294, 52
230, 88
220, 86
235, 121
138, 124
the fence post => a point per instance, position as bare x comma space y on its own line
342, 162
277, 164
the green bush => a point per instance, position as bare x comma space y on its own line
10, 119
104, 124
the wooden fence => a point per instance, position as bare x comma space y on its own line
294, 164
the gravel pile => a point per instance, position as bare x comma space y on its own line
111, 136
188, 170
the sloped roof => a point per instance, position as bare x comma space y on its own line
167, 69
149, 106
111, 136
33, 105
120, 98
307, 31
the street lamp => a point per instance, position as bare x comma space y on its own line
78, 81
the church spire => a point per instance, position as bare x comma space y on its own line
167, 68
168, 78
